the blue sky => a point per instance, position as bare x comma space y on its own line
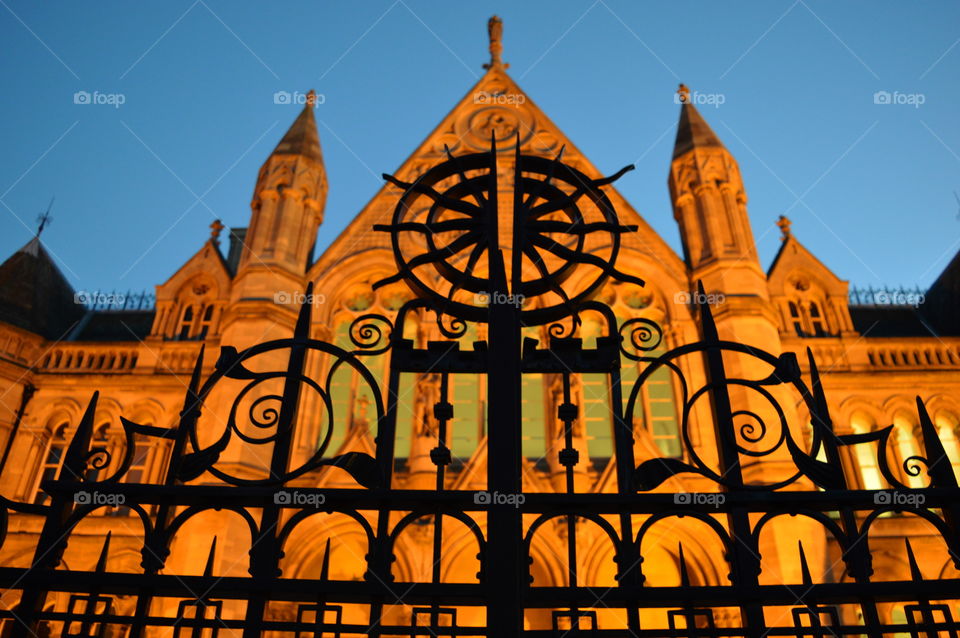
869, 187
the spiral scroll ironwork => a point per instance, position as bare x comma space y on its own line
546, 251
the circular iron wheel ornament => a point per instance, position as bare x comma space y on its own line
559, 213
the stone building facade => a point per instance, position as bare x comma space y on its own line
244, 287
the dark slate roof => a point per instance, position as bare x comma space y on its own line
889, 321
693, 132
302, 138
941, 306
117, 325
235, 250
34, 294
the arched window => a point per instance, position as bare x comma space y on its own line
866, 453
817, 322
186, 323
206, 321
52, 460
795, 318
656, 409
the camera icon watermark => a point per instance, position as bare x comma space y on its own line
699, 498
98, 498
297, 298
896, 98
299, 98
894, 497
498, 299
499, 98
699, 298
299, 499
97, 299
496, 498
83, 98
700, 99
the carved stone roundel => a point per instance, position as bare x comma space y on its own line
503, 122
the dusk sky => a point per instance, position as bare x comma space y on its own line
870, 186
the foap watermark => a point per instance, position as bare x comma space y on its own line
899, 99
499, 98
99, 299
98, 498
898, 298
83, 98
299, 98
496, 498
699, 498
700, 99
299, 499
297, 298
699, 298
497, 299
911, 499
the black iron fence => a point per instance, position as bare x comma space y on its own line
246, 462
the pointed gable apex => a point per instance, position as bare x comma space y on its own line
494, 105
793, 254
207, 262
795, 260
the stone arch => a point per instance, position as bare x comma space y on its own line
304, 545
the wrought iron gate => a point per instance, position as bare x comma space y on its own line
562, 225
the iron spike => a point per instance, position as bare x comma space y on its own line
104, 553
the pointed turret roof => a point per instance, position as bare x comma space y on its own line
34, 294
692, 131
302, 137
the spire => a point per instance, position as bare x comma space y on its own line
302, 138
692, 131
495, 33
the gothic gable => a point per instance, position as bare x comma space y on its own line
496, 106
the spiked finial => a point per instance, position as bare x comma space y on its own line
208, 568
191, 401
819, 399
804, 567
939, 467
104, 553
495, 33
684, 576
915, 572
75, 461
683, 94
325, 565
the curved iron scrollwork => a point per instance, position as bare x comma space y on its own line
556, 210
745, 430
260, 414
